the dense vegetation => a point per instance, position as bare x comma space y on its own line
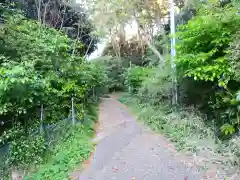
213, 49
42, 70
45, 79
207, 66
63, 15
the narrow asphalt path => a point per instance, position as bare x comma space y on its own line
127, 150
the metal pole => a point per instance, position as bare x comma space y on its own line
41, 119
173, 52
129, 87
93, 91
73, 112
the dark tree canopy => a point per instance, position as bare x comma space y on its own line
68, 17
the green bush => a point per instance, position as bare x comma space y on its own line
207, 62
202, 48
27, 150
234, 56
114, 68
38, 67
73, 148
157, 87
134, 76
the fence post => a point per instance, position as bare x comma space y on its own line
73, 112
41, 119
93, 93
129, 87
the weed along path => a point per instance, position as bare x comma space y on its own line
127, 150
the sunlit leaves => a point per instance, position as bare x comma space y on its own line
207, 51
37, 67
203, 44
227, 129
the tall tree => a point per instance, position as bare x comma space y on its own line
66, 16
111, 16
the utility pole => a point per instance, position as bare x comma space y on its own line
173, 52
73, 112
41, 119
130, 66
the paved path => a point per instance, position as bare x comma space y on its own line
127, 150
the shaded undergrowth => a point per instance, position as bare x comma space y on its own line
73, 148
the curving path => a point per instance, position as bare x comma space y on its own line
127, 150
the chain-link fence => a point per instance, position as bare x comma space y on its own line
4, 154
52, 133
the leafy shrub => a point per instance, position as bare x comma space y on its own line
157, 87
234, 56
195, 93
134, 76
73, 148
202, 49
27, 150
38, 67
203, 60
114, 68
23, 149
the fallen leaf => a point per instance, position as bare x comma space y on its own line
115, 169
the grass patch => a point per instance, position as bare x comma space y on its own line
187, 130
73, 148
